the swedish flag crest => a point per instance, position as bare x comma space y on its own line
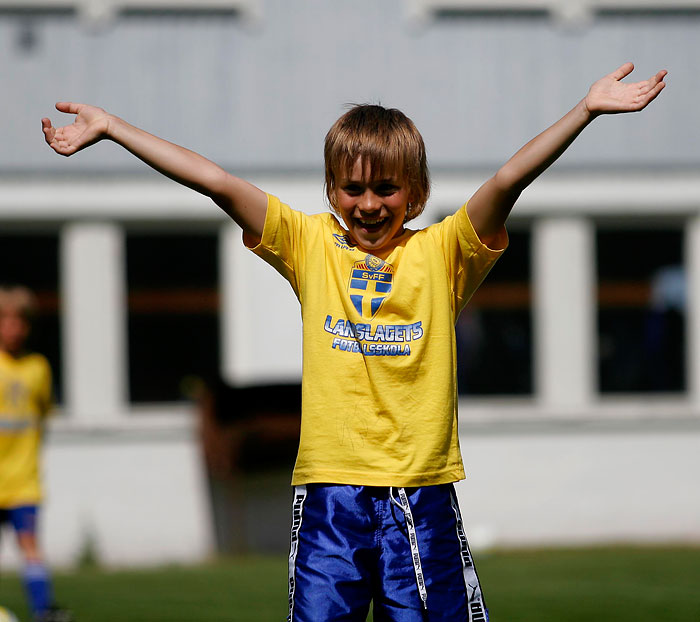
370, 283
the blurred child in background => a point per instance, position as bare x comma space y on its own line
25, 402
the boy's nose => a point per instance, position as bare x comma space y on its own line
369, 201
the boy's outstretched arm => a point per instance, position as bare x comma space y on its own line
491, 204
245, 203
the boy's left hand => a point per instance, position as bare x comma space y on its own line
610, 95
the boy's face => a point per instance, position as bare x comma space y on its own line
373, 210
14, 330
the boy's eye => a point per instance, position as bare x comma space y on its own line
352, 189
386, 189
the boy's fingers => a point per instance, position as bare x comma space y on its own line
658, 77
69, 107
651, 95
48, 129
653, 82
656, 84
622, 71
657, 89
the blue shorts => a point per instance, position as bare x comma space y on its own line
22, 518
402, 549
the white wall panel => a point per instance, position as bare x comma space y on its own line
535, 488
132, 501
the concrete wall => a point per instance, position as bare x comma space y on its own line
530, 484
123, 497
129, 500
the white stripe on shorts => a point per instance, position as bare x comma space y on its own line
413, 542
475, 599
299, 497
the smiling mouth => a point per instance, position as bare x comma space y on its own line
371, 224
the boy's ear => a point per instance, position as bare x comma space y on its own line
411, 193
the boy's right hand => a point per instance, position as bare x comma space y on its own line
91, 124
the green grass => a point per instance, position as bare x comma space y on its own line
620, 584
607, 584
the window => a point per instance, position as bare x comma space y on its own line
494, 332
31, 259
641, 310
568, 12
99, 12
173, 320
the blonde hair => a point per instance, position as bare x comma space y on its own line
388, 144
18, 299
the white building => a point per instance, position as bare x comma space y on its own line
577, 452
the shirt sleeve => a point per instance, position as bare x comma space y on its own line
281, 241
467, 259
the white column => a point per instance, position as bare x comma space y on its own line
260, 316
94, 325
564, 311
692, 319
229, 237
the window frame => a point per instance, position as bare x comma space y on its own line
96, 13
571, 13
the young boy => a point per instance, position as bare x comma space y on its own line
25, 401
375, 517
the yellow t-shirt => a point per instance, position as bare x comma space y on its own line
379, 392
25, 399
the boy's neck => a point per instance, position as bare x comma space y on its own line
385, 249
15, 354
